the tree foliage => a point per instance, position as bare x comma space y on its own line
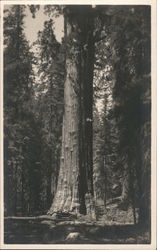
49, 104
129, 33
20, 133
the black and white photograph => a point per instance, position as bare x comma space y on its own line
77, 124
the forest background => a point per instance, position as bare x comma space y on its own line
34, 103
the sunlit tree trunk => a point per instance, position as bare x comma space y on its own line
75, 182
125, 185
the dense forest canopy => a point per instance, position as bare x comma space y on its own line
77, 114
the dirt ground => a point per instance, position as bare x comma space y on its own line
45, 230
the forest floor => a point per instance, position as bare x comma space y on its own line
115, 226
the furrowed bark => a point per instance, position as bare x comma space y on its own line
75, 182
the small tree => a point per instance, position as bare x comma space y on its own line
49, 106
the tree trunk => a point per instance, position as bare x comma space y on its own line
75, 182
105, 169
15, 189
143, 171
125, 185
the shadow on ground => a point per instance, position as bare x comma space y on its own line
46, 231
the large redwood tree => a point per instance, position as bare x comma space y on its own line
75, 182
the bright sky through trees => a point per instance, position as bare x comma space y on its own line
33, 25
